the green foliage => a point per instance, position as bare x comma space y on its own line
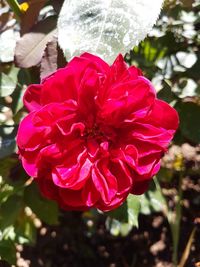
10, 210
153, 200
8, 82
122, 220
189, 121
169, 56
8, 251
45, 209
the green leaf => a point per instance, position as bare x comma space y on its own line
9, 233
193, 72
8, 82
26, 231
166, 93
8, 251
133, 203
123, 219
120, 213
114, 227
45, 209
5, 192
153, 200
6, 165
189, 120
9, 211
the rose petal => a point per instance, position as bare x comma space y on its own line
122, 103
140, 187
29, 136
32, 97
163, 115
104, 181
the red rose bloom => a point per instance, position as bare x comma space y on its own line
95, 133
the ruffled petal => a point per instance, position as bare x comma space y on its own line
60, 87
73, 177
139, 187
90, 194
64, 83
86, 97
29, 136
32, 96
123, 176
151, 134
148, 166
164, 116
29, 163
128, 101
94, 61
134, 72
104, 181
47, 187
119, 71
71, 198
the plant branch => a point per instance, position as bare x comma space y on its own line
14, 5
175, 225
187, 249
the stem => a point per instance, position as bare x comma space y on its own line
174, 218
187, 248
14, 5
175, 225
165, 209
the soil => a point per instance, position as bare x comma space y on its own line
75, 243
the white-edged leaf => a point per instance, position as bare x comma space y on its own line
105, 27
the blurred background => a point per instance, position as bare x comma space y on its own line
160, 228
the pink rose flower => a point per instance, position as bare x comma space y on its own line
95, 133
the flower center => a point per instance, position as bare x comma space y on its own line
93, 132
100, 133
